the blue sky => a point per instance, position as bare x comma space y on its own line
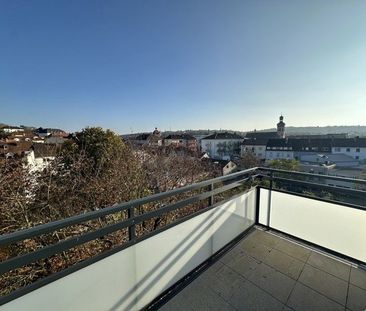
133, 65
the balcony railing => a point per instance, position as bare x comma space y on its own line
131, 275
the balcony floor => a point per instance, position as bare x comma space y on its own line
267, 272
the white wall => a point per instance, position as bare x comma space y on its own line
334, 226
279, 154
211, 146
130, 279
258, 150
361, 155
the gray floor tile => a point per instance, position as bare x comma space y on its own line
293, 250
329, 265
358, 277
207, 300
265, 238
272, 281
325, 283
305, 299
177, 303
250, 297
223, 282
234, 253
356, 298
256, 250
198, 296
244, 265
284, 263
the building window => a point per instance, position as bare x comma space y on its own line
357, 157
348, 149
357, 149
337, 149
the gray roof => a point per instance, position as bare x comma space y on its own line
349, 142
181, 136
225, 135
261, 135
255, 142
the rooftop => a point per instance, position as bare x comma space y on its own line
225, 135
268, 271
181, 136
261, 135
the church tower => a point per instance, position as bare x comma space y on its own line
281, 127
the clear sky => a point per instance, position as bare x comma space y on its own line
134, 65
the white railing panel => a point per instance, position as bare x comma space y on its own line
333, 226
132, 278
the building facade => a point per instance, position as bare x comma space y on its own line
181, 140
354, 147
222, 146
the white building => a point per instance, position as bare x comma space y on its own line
12, 129
256, 142
256, 146
222, 146
280, 149
354, 147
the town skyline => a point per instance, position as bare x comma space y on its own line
327, 129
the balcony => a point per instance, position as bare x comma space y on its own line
267, 239
267, 271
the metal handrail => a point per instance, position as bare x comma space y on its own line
73, 220
339, 178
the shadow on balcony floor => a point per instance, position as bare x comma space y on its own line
267, 272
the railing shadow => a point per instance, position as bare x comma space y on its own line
148, 281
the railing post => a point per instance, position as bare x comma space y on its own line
131, 229
269, 199
257, 202
211, 198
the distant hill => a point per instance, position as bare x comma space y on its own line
352, 130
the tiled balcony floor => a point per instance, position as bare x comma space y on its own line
267, 272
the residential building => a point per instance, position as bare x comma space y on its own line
278, 149
292, 148
354, 147
256, 142
181, 140
147, 139
12, 129
222, 146
12, 148
255, 146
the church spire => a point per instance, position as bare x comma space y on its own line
281, 127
